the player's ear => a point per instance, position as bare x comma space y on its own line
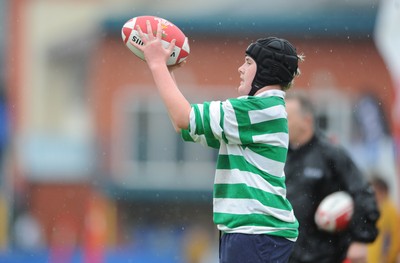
309, 118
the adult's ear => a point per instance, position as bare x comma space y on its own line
309, 119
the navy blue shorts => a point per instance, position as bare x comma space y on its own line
242, 248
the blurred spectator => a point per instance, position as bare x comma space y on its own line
3, 222
387, 245
316, 168
4, 130
98, 228
28, 232
198, 246
63, 240
4, 138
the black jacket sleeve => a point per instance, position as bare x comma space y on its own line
363, 224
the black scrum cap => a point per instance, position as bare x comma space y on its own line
276, 60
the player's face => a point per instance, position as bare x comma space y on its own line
296, 120
247, 73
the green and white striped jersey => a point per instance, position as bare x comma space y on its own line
251, 133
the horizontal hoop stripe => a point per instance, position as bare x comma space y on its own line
279, 139
270, 152
256, 223
250, 206
235, 176
271, 126
254, 159
257, 102
267, 114
243, 191
240, 163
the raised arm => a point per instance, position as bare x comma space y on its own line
156, 57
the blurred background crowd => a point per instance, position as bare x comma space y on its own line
91, 169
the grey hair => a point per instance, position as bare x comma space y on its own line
306, 105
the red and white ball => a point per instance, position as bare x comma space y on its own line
334, 212
169, 32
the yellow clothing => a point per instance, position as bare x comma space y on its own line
3, 223
387, 245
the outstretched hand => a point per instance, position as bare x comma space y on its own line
154, 52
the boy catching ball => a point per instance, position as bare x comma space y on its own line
251, 132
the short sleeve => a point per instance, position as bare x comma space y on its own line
204, 126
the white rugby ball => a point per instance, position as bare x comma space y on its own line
169, 32
334, 212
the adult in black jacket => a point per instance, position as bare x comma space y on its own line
316, 167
